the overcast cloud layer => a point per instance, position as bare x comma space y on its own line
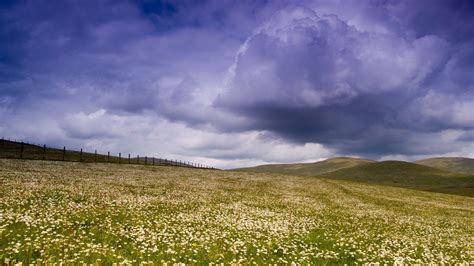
236, 83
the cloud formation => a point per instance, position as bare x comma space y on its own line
241, 82
316, 78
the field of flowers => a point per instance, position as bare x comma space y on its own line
99, 213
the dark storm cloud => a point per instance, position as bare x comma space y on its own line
316, 78
60, 47
106, 54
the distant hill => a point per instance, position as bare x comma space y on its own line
408, 175
309, 169
453, 164
444, 175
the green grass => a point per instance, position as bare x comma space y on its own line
76, 213
408, 175
309, 169
453, 164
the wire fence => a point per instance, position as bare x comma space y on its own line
12, 149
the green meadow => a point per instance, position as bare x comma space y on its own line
71, 212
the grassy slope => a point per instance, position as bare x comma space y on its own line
105, 213
408, 175
453, 164
309, 169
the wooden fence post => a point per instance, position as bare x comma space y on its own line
120, 157
108, 156
64, 153
80, 159
153, 160
138, 159
95, 156
21, 150
145, 159
129, 158
44, 151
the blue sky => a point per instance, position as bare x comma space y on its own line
238, 83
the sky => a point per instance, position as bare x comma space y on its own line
240, 83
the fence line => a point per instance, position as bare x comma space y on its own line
14, 149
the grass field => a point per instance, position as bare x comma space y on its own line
103, 213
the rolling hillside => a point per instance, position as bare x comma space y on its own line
453, 164
309, 169
408, 175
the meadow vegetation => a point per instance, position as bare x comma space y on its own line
53, 212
